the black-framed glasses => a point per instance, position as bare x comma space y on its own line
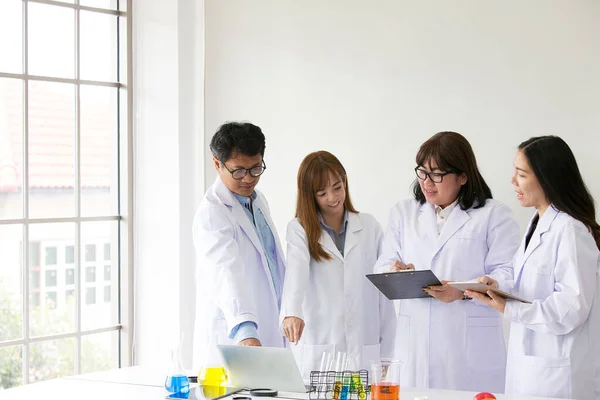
435, 177
240, 173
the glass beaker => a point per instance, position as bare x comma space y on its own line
385, 380
212, 376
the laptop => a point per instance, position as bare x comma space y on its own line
262, 367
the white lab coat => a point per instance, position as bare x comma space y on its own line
233, 280
554, 345
459, 345
342, 309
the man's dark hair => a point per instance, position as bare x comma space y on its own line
240, 137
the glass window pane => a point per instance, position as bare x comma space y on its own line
11, 26
107, 294
34, 279
99, 352
98, 311
34, 254
69, 254
51, 278
51, 300
11, 144
49, 313
51, 359
106, 251
51, 149
70, 276
99, 161
90, 296
123, 50
90, 274
50, 258
106, 4
11, 365
11, 282
98, 49
90, 252
51, 46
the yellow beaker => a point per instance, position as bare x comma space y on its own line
212, 376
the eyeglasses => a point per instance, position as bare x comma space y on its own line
240, 173
435, 177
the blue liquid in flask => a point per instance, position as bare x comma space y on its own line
178, 386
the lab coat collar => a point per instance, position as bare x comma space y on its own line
228, 198
428, 223
458, 217
353, 227
536, 238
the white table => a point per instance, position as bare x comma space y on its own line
145, 383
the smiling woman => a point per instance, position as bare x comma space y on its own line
453, 227
327, 303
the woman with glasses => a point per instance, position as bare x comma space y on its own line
453, 227
554, 347
328, 305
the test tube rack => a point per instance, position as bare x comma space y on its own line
340, 385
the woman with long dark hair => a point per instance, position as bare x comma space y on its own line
453, 227
554, 346
328, 305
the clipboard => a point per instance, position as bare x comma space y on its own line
481, 288
406, 284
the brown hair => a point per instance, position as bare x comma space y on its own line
313, 175
452, 152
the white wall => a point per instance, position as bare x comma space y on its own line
168, 86
370, 81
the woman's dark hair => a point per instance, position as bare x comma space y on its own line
239, 137
452, 152
555, 168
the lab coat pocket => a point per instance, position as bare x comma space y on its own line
370, 352
311, 359
403, 338
554, 372
485, 344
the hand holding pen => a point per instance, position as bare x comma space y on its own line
400, 266
293, 328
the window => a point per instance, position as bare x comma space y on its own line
34, 279
69, 276
51, 278
50, 256
34, 254
51, 300
107, 294
90, 296
106, 251
90, 252
69, 254
65, 115
107, 272
90, 274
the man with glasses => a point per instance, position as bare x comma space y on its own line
241, 266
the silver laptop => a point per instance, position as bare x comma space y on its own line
262, 367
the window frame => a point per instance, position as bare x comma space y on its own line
123, 267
